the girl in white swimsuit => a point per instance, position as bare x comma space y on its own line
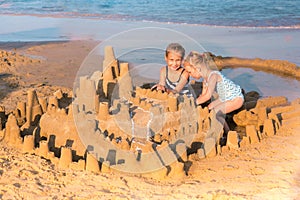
230, 95
226, 88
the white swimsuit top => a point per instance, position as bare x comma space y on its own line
227, 89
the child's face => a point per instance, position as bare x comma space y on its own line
192, 70
173, 60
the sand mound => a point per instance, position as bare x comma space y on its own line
278, 67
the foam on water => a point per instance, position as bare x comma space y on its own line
247, 13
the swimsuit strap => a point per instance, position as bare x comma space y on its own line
212, 72
178, 77
167, 72
188, 79
172, 85
181, 74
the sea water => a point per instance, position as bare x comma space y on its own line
249, 13
245, 28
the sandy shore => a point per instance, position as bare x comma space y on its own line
266, 170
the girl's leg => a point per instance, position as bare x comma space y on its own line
218, 106
222, 108
228, 106
214, 104
233, 105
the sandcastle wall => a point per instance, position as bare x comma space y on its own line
103, 136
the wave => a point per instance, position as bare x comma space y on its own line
296, 26
116, 17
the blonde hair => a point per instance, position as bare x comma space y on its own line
177, 48
197, 59
194, 58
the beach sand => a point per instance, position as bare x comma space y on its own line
265, 170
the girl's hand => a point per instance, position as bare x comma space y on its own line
160, 87
210, 107
154, 87
198, 100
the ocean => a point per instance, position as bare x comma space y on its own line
237, 13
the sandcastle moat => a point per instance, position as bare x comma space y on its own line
110, 124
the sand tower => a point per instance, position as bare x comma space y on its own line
86, 95
124, 85
12, 131
110, 69
28, 144
33, 109
65, 158
103, 113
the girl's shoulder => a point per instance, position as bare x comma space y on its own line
215, 75
215, 72
163, 69
185, 74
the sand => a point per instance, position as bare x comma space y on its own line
268, 169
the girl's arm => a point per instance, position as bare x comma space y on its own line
208, 89
162, 79
182, 82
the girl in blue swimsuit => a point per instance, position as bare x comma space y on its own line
173, 77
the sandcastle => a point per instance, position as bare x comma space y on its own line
10, 59
114, 125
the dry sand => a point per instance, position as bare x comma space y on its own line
266, 170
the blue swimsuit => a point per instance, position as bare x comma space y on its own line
172, 85
227, 89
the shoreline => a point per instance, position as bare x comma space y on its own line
281, 44
94, 17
